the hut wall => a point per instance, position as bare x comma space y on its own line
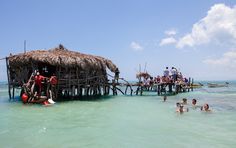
74, 82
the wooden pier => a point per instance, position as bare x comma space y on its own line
78, 75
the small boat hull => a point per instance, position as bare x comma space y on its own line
213, 85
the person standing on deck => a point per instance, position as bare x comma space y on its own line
166, 72
53, 82
174, 74
117, 73
38, 83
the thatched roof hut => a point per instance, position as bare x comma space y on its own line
60, 56
142, 75
74, 70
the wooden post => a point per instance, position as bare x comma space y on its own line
114, 87
131, 92
170, 87
58, 85
108, 90
8, 79
141, 91
189, 83
69, 85
158, 90
126, 89
137, 90
192, 84
24, 46
13, 92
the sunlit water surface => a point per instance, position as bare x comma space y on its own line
122, 122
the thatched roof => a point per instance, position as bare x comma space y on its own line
143, 74
63, 57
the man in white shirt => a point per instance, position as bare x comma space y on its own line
174, 74
166, 72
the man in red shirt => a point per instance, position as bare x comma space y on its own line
53, 82
38, 83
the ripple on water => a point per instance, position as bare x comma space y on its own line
122, 121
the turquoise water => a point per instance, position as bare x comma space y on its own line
122, 122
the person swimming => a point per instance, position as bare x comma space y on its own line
181, 109
164, 98
194, 102
178, 104
205, 107
184, 101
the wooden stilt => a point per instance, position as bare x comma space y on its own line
137, 90
126, 89
13, 92
8, 79
192, 84
141, 91
189, 83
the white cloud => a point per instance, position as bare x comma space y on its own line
228, 60
219, 26
171, 32
136, 46
167, 41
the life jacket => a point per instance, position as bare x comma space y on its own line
24, 98
53, 80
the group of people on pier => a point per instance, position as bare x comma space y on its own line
40, 89
171, 78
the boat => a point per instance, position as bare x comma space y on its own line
214, 85
196, 85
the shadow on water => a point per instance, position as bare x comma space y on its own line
86, 98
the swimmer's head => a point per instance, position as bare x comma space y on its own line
206, 106
194, 101
177, 104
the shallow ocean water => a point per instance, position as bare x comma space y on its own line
122, 121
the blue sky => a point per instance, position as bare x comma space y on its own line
197, 36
